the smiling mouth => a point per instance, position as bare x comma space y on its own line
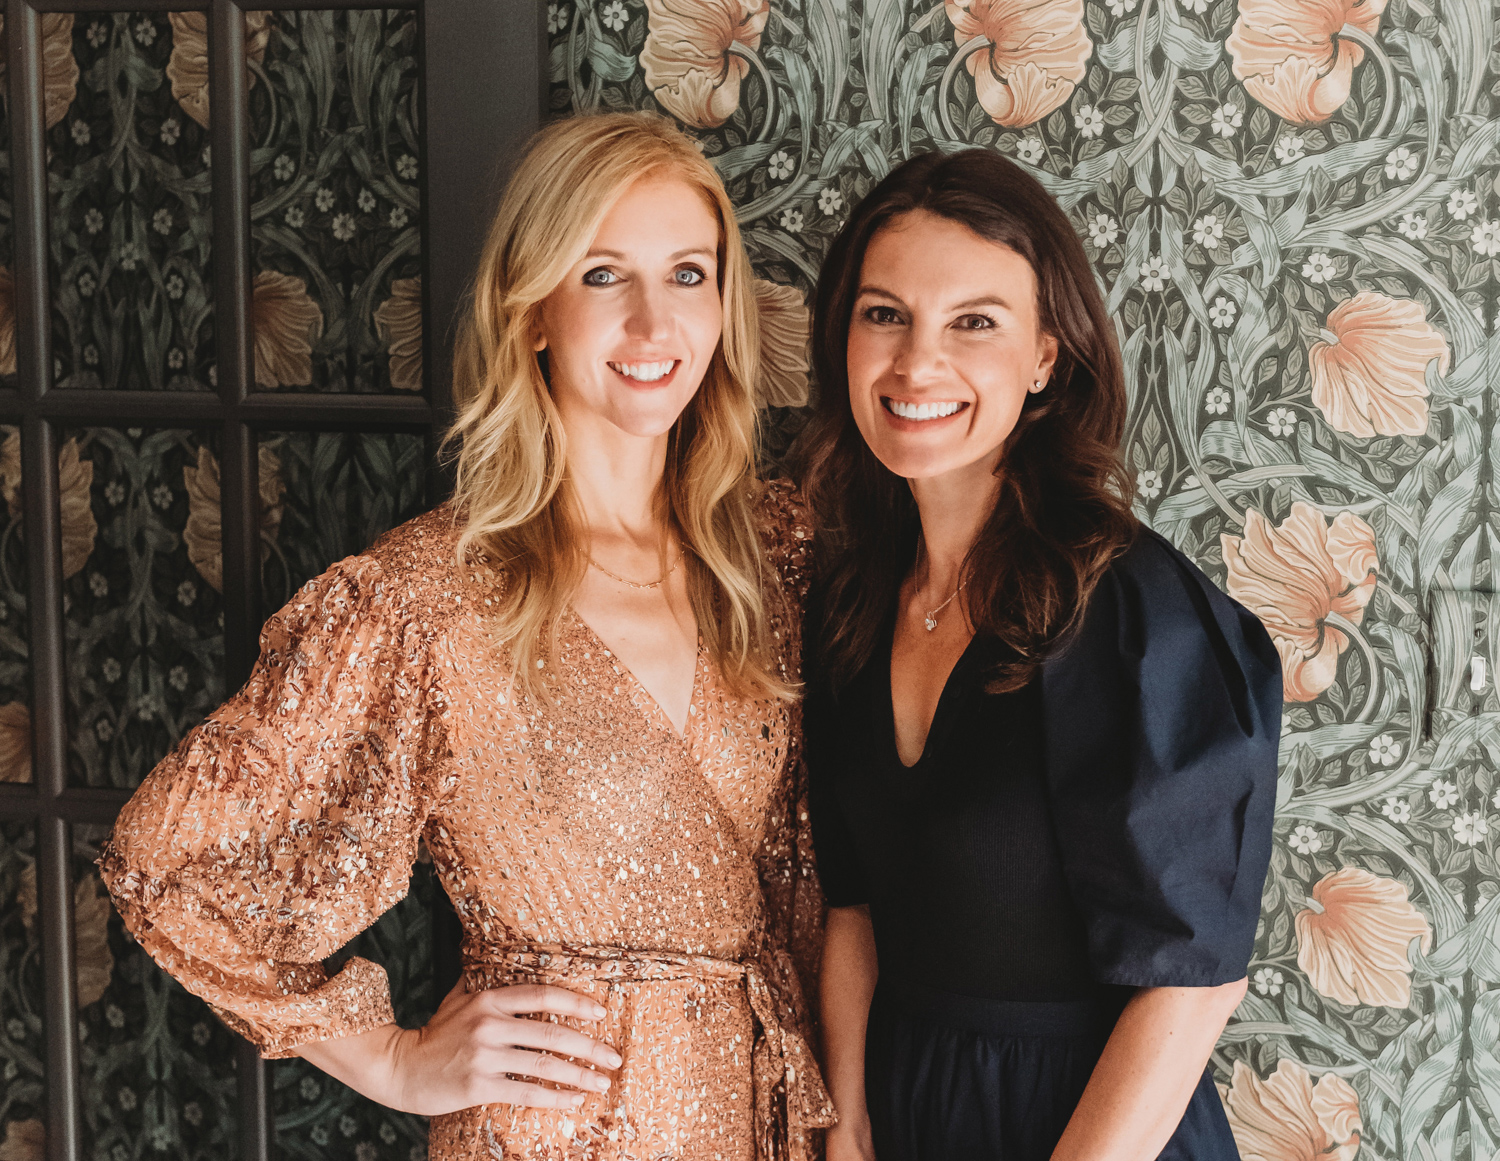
919, 412
645, 372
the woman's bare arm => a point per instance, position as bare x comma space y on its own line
846, 986
470, 1051
1146, 1076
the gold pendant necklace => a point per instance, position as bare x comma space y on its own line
638, 584
930, 620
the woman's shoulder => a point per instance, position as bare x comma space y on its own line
1156, 607
411, 571
785, 528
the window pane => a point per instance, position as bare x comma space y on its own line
156, 1066
341, 491
7, 247
336, 203
131, 222
23, 1100
144, 618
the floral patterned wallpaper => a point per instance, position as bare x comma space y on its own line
1293, 213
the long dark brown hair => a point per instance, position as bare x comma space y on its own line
1062, 510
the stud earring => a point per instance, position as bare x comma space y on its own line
1036, 386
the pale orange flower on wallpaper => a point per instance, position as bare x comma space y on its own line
1369, 374
1038, 53
75, 476
24, 1141
59, 68
1353, 942
188, 67
287, 323
7, 322
204, 532
91, 912
1287, 1117
784, 325
15, 742
1293, 576
687, 60
1291, 58
399, 320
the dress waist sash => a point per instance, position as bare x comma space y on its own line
787, 1088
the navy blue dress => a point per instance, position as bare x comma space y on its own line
1106, 828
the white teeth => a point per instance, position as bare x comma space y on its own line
645, 372
922, 410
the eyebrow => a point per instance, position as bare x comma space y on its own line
698, 251
983, 300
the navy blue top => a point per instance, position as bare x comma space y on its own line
1108, 824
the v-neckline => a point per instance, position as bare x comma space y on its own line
655, 706
944, 697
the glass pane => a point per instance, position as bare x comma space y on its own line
336, 203
15, 670
144, 618
340, 490
156, 1066
7, 239
23, 1103
127, 148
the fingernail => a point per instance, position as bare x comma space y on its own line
599, 1012
576, 1098
614, 1061
600, 1082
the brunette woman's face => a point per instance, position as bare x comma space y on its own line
632, 328
944, 344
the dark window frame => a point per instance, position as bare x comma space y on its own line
488, 92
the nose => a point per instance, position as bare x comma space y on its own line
650, 319
920, 358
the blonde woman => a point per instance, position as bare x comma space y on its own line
575, 681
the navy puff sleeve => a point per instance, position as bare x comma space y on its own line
1161, 715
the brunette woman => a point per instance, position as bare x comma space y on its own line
1042, 744
575, 682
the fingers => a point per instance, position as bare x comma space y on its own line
515, 1092
511, 1032
535, 999
544, 1066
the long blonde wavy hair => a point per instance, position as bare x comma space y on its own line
512, 491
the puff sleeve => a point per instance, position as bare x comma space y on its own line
1162, 715
288, 821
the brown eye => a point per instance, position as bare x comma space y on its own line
881, 315
975, 322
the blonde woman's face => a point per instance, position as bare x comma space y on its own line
631, 330
944, 344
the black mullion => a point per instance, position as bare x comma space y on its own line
49, 742
43, 531
263, 409
98, 807
229, 136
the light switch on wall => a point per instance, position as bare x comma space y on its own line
1465, 651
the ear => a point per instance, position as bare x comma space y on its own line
538, 340
1047, 349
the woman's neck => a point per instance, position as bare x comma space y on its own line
615, 478
953, 508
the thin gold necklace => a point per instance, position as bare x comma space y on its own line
929, 620
638, 584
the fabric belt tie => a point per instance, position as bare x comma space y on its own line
786, 1085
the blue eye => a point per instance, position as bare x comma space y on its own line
688, 276
600, 276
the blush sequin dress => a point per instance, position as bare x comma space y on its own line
584, 843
